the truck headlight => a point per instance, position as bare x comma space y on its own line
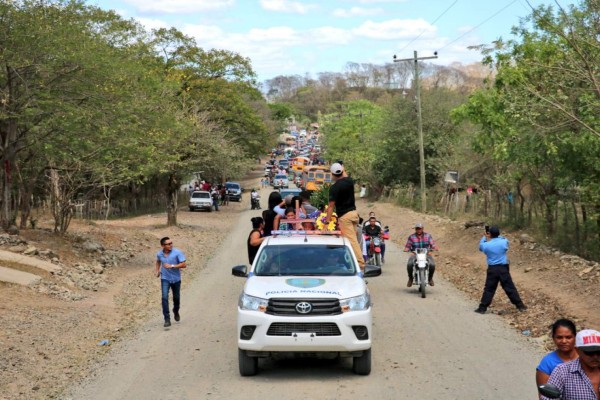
358, 303
252, 303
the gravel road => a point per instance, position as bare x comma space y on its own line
433, 348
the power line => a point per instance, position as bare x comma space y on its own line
423, 31
486, 20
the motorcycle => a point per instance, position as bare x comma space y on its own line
421, 271
374, 250
255, 203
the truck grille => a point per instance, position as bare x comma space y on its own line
289, 328
318, 307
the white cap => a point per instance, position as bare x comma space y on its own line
588, 339
337, 169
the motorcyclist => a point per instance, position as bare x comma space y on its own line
254, 200
371, 229
382, 229
420, 240
367, 221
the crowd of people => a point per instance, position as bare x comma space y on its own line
573, 367
219, 193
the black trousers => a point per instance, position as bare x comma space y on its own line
499, 274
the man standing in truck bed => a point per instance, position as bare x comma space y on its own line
341, 197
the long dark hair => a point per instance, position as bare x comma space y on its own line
256, 221
274, 199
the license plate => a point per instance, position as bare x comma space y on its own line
303, 337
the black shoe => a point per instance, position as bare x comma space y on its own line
522, 307
480, 310
410, 282
177, 318
167, 324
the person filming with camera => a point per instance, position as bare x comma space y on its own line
495, 248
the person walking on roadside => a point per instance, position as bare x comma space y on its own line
215, 197
169, 262
341, 197
580, 379
495, 248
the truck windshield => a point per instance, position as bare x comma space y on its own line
306, 260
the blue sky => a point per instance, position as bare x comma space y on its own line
285, 37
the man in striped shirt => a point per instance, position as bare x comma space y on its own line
420, 240
580, 379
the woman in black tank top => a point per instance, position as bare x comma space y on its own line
255, 238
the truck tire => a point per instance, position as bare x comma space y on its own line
248, 365
362, 365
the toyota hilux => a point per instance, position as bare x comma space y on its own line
304, 296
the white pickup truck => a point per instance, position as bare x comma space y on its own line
305, 296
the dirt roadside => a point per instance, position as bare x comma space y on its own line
50, 333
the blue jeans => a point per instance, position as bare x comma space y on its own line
176, 288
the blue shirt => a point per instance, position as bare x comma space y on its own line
176, 256
495, 250
549, 362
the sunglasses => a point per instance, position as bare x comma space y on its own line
592, 353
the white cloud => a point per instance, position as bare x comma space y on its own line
178, 6
356, 12
395, 29
203, 32
294, 7
151, 23
329, 35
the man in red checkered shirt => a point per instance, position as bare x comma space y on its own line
420, 240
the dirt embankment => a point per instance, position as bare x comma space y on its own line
552, 284
50, 332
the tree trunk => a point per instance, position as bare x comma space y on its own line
172, 193
584, 221
577, 230
549, 216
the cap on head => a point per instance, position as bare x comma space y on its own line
494, 231
337, 169
418, 225
588, 339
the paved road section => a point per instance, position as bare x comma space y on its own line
433, 348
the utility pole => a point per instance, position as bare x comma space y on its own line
420, 124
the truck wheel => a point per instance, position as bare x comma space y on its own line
362, 365
248, 365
